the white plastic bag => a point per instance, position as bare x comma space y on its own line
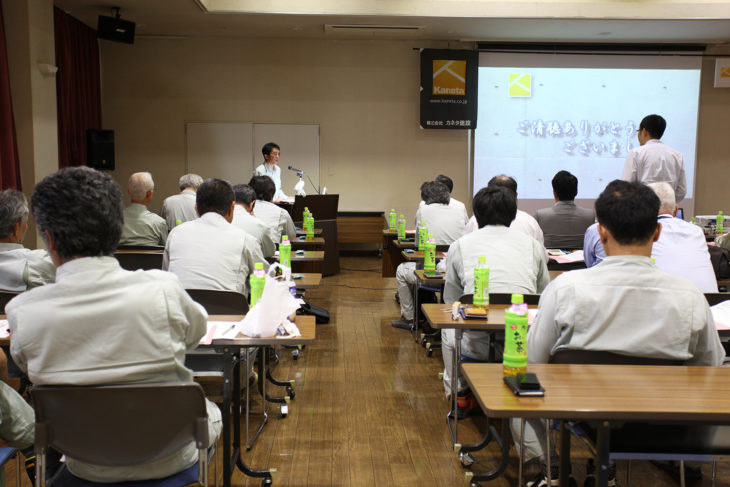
275, 305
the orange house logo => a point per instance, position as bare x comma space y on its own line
449, 77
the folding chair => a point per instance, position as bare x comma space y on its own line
132, 261
114, 426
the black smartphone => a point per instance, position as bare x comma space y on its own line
524, 384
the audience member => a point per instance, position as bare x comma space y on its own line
270, 167
653, 161
180, 208
522, 222
245, 219
277, 219
626, 305
453, 202
517, 264
100, 324
20, 268
445, 223
209, 252
141, 226
565, 223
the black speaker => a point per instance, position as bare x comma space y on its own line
100, 149
115, 29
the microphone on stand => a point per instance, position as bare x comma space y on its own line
298, 171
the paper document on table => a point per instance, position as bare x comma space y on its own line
219, 329
576, 256
721, 313
4, 329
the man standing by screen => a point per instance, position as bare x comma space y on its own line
654, 162
271, 168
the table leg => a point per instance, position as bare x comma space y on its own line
458, 333
603, 441
414, 326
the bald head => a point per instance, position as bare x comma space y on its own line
140, 187
668, 203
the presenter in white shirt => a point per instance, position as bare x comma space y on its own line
270, 167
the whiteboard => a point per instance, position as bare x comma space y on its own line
232, 150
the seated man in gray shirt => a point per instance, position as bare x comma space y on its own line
245, 219
624, 305
141, 226
565, 223
180, 208
276, 218
20, 268
98, 323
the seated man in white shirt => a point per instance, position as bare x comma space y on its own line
101, 324
245, 218
453, 202
625, 305
446, 224
20, 268
180, 208
141, 226
278, 220
522, 222
517, 264
210, 253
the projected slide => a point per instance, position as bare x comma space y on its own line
535, 121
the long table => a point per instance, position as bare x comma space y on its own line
607, 393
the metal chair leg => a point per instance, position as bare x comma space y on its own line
522, 450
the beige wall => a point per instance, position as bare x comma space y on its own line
363, 94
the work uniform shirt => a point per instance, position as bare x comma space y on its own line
100, 324
210, 253
22, 268
564, 224
625, 305
444, 222
142, 227
453, 203
179, 207
275, 174
655, 162
517, 264
256, 228
277, 219
523, 223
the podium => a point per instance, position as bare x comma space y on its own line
324, 211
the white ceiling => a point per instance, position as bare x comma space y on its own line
509, 21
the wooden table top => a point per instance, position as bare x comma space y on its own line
419, 255
308, 241
307, 256
439, 317
610, 392
387, 232
317, 232
306, 325
309, 280
405, 244
426, 280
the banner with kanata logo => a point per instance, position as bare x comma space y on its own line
449, 89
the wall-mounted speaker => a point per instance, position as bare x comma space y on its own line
100, 149
115, 29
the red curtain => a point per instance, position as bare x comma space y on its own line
78, 86
9, 163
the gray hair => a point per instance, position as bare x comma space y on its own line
138, 185
667, 199
13, 208
190, 181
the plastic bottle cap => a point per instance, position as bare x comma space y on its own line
393, 210
518, 299
284, 237
482, 258
430, 236
402, 216
258, 265
719, 212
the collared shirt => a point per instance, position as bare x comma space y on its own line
625, 305
523, 222
22, 268
210, 253
564, 224
275, 174
593, 252
517, 264
142, 227
179, 207
256, 228
453, 203
681, 250
101, 324
277, 219
444, 222
655, 162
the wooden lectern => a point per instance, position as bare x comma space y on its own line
324, 211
